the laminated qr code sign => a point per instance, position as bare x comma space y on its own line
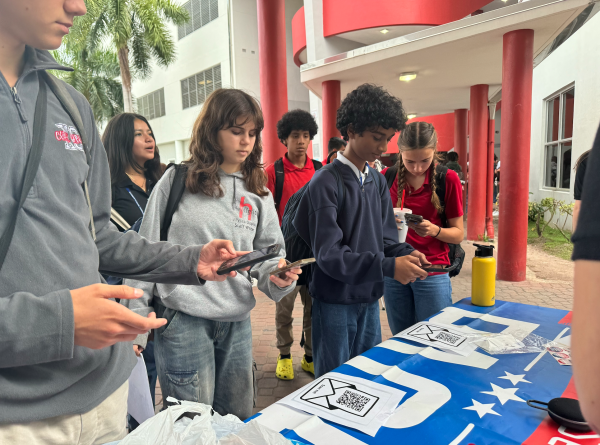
350, 401
446, 337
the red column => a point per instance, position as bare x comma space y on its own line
489, 196
461, 127
477, 162
273, 74
331, 102
517, 74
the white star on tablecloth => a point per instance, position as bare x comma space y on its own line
482, 408
504, 394
514, 379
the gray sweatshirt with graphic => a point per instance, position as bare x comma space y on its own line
42, 373
248, 220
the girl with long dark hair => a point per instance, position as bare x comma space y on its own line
134, 163
204, 352
409, 303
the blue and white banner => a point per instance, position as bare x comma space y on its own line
451, 399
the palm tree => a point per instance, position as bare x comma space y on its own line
95, 76
137, 29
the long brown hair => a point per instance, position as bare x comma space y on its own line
221, 111
418, 136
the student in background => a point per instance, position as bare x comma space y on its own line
288, 174
409, 303
355, 243
586, 311
580, 168
204, 352
135, 168
134, 164
335, 144
453, 164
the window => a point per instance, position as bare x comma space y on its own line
195, 89
558, 141
152, 105
201, 12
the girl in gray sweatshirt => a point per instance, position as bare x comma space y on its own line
204, 352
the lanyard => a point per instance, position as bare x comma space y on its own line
136, 201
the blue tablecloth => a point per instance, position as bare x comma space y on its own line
456, 400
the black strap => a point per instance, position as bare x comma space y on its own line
177, 189
390, 175
279, 178
31, 168
317, 164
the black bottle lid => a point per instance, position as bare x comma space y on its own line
484, 251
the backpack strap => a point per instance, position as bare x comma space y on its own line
390, 175
177, 189
331, 168
31, 168
317, 165
61, 92
279, 178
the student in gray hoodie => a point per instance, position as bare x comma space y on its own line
65, 347
204, 352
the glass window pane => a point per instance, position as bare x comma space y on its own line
214, 9
217, 76
189, 26
565, 165
551, 166
552, 122
162, 102
197, 15
568, 107
209, 83
201, 87
193, 89
205, 12
150, 114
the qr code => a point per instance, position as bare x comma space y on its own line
352, 400
447, 337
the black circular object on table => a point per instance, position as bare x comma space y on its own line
564, 411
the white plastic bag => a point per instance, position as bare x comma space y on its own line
207, 428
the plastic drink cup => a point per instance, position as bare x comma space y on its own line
402, 225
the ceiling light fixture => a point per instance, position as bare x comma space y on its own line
407, 77
411, 116
384, 31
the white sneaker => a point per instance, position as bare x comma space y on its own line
495, 213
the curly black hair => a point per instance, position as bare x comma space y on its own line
369, 107
298, 120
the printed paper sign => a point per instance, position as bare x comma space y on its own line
441, 336
351, 401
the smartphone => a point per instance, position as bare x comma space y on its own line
250, 259
438, 269
409, 217
301, 263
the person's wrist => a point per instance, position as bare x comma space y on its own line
438, 232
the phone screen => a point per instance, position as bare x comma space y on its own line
251, 258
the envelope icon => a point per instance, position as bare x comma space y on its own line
332, 394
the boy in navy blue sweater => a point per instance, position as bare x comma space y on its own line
359, 246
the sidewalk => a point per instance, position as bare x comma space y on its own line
555, 293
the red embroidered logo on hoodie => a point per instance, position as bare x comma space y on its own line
70, 136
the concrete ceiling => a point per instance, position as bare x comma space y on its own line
449, 59
373, 35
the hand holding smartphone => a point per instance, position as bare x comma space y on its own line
298, 264
250, 259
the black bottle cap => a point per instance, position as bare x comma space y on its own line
484, 251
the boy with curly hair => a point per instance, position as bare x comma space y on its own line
285, 177
357, 245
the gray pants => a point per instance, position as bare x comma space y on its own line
284, 319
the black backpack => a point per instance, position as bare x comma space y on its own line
295, 247
280, 177
456, 253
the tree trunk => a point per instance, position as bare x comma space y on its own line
126, 79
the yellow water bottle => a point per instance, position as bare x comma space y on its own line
483, 285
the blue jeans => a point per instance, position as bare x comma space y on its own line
205, 361
407, 304
341, 332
